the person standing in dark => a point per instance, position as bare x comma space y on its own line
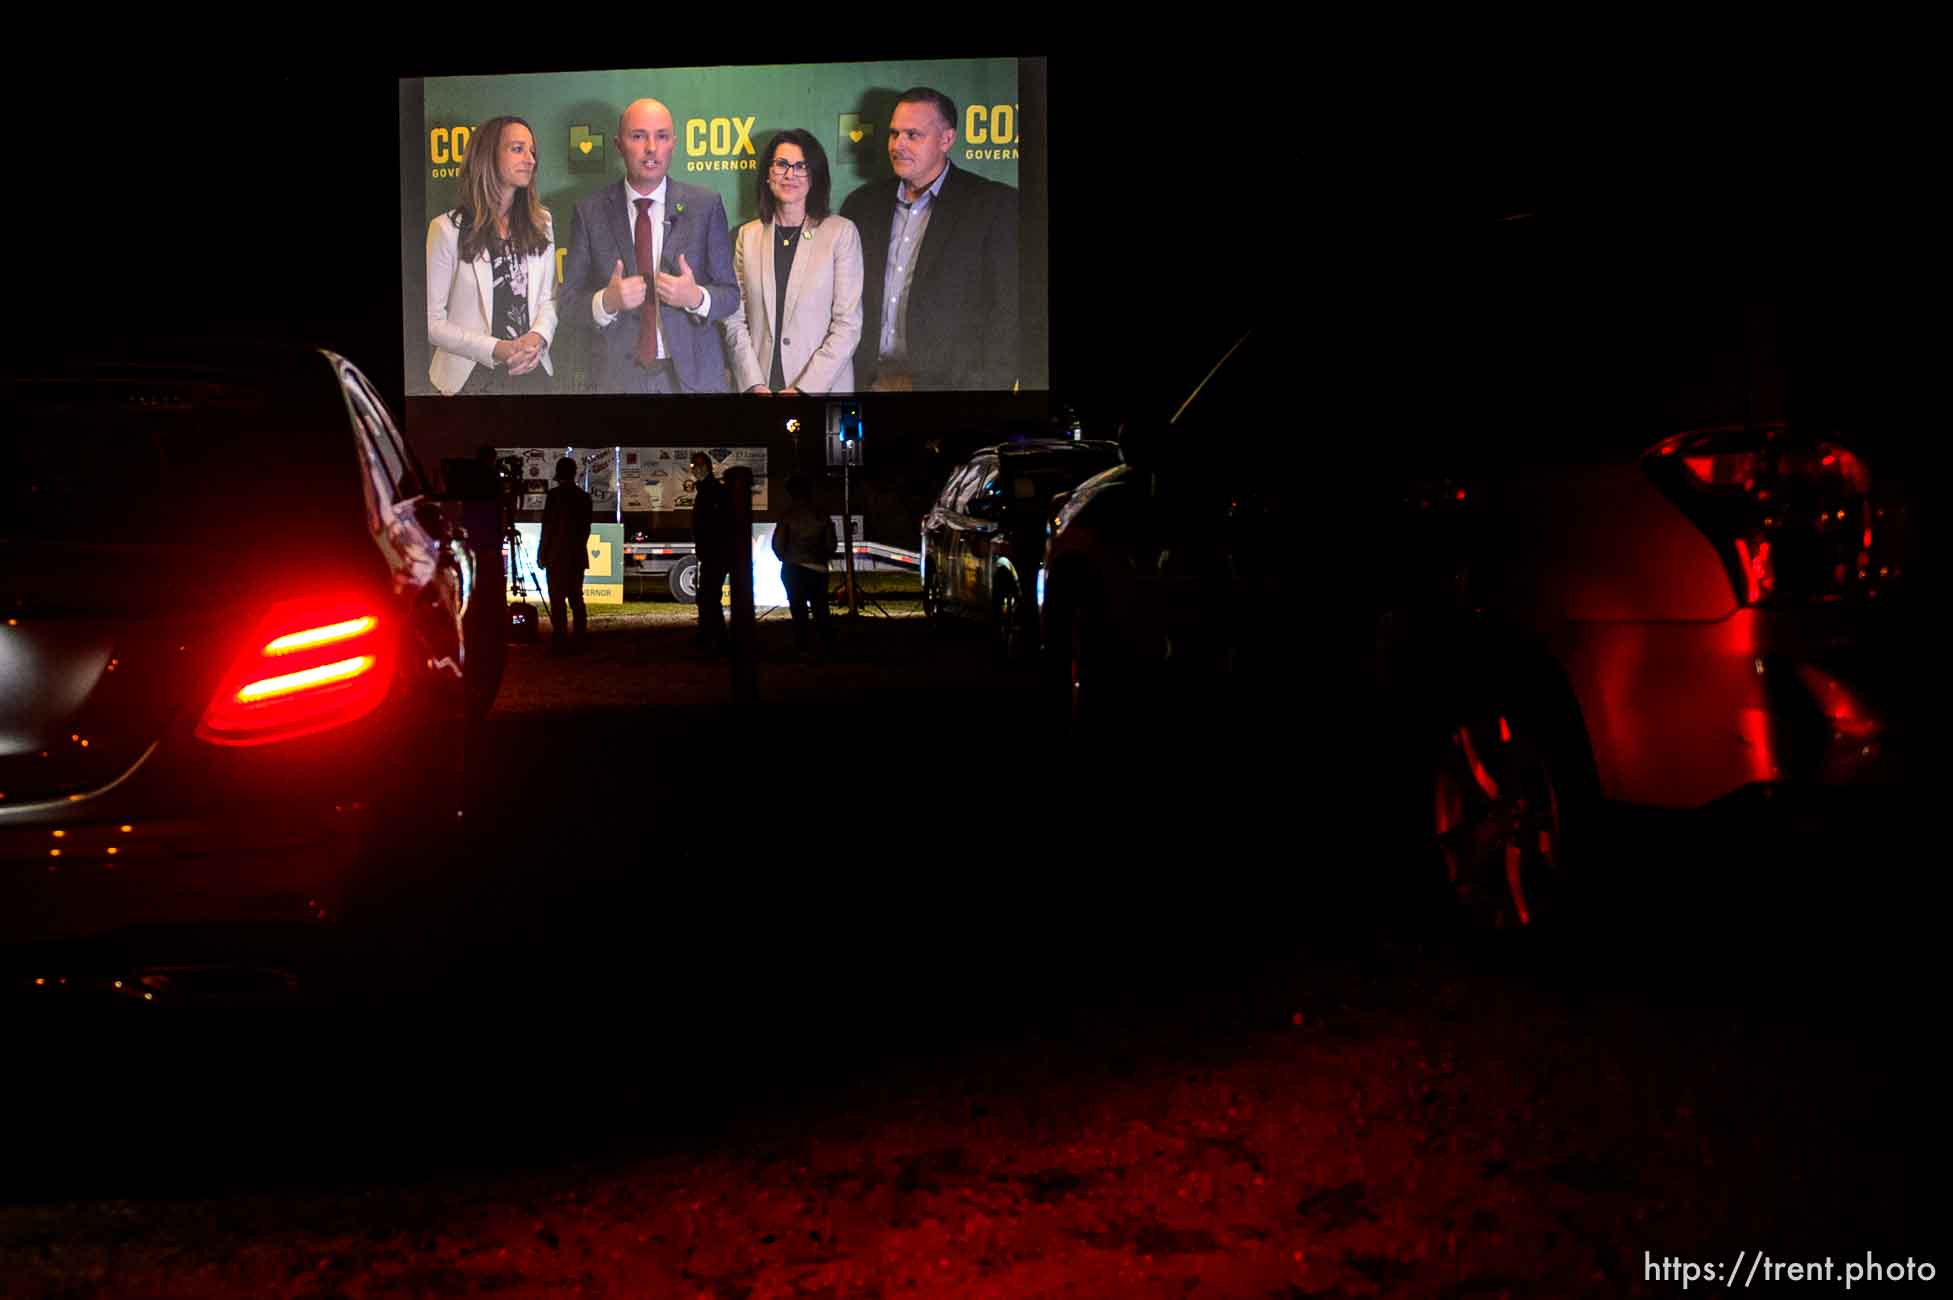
712, 541
804, 541
487, 512
564, 553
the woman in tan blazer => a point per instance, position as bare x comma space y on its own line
491, 271
799, 274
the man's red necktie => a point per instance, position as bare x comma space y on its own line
647, 266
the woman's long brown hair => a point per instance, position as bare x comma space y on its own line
477, 201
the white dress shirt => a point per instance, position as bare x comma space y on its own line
656, 215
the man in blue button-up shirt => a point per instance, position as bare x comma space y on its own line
941, 293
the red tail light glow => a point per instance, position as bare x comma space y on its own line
332, 633
308, 679
1791, 517
309, 666
1845, 712
1757, 578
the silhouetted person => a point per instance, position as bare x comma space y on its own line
564, 553
487, 512
804, 539
712, 539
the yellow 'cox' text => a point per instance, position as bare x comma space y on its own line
447, 149
994, 125
725, 142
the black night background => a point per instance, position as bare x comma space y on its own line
895, 985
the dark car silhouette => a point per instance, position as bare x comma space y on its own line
1496, 656
983, 540
232, 666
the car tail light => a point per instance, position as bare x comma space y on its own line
308, 666
1794, 519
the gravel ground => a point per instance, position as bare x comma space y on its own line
1405, 1131
1118, 1100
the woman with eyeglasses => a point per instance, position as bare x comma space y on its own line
799, 273
491, 271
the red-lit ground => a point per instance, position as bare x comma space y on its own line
1466, 1136
852, 1070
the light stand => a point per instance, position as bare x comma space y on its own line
844, 444
850, 452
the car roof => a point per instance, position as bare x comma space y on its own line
1045, 447
219, 364
188, 350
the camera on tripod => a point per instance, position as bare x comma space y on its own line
523, 616
508, 473
488, 486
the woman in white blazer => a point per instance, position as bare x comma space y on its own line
799, 274
491, 271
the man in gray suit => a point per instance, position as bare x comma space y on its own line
650, 269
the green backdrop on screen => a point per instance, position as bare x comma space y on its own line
724, 117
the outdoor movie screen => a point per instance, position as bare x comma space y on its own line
811, 228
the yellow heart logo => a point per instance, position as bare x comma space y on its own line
583, 145
855, 135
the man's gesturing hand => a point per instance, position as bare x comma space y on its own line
624, 292
680, 290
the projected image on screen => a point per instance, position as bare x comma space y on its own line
812, 229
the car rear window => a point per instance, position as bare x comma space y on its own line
1044, 477
962, 486
124, 460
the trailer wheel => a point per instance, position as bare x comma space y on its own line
684, 580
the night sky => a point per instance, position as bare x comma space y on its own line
1503, 240
1481, 243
